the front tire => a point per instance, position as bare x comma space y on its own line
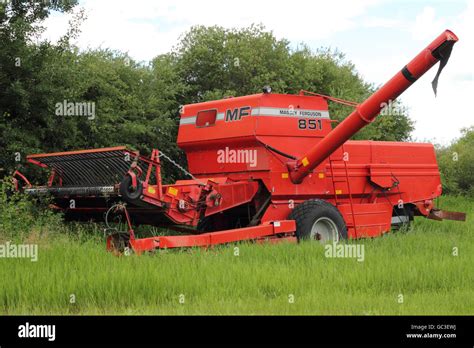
128, 192
320, 221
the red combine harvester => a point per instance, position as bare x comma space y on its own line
262, 167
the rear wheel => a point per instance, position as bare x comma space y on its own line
318, 220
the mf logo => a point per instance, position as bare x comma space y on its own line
237, 113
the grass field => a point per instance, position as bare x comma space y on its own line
419, 265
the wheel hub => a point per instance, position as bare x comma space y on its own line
324, 230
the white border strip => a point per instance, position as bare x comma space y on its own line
279, 112
271, 112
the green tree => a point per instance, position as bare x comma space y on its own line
215, 62
25, 84
456, 163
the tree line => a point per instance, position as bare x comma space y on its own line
137, 103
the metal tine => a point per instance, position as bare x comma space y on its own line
63, 173
99, 167
78, 177
70, 175
93, 169
93, 172
120, 167
80, 169
117, 167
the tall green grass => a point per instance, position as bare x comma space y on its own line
262, 279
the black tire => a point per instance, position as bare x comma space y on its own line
127, 191
318, 220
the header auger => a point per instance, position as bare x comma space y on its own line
262, 167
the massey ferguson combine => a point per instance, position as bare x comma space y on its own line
261, 167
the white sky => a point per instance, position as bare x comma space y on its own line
378, 36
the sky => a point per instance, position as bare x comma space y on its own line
378, 36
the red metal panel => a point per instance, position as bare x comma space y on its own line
232, 195
145, 244
228, 236
272, 117
371, 220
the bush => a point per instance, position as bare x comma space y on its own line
23, 218
456, 163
